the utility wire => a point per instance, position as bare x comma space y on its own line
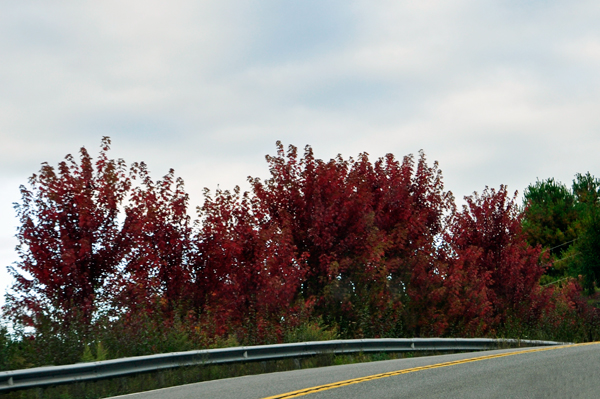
564, 243
557, 281
566, 257
560, 260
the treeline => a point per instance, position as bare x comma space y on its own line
112, 264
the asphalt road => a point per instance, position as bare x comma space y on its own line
560, 372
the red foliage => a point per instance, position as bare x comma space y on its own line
412, 211
367, 231
70, 239
156, 268
246, 273
376, 249
502, 271
79, 252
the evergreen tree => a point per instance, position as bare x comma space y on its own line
551, 220
586, 189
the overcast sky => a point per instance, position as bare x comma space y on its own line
499, 92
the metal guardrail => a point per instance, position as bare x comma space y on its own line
39, 377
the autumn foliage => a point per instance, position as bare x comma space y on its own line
363, 248
70, 238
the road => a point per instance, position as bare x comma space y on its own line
548, 372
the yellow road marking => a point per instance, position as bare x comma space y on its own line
339, 384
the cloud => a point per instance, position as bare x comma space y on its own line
498, 92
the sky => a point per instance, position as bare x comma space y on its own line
498, 92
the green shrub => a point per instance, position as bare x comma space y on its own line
311, 331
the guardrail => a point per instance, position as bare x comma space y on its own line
39, 377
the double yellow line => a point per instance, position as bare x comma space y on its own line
339, 384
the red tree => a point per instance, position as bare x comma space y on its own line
412, 208
156, 268
70, 238
368, 232
246, 274
376, 248
487, 237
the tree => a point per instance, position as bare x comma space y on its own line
487, 234
330, 227
157, 265
414, 211
588, 247
246, 274
587, 191
550, 216
367, 232
70, 238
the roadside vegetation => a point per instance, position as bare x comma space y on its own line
112, 263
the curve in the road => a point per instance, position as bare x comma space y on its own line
326, 387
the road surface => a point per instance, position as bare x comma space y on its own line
547, 372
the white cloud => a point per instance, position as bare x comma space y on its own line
497, 92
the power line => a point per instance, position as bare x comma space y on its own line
566, 257
557, 281
560, 260
564, 243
